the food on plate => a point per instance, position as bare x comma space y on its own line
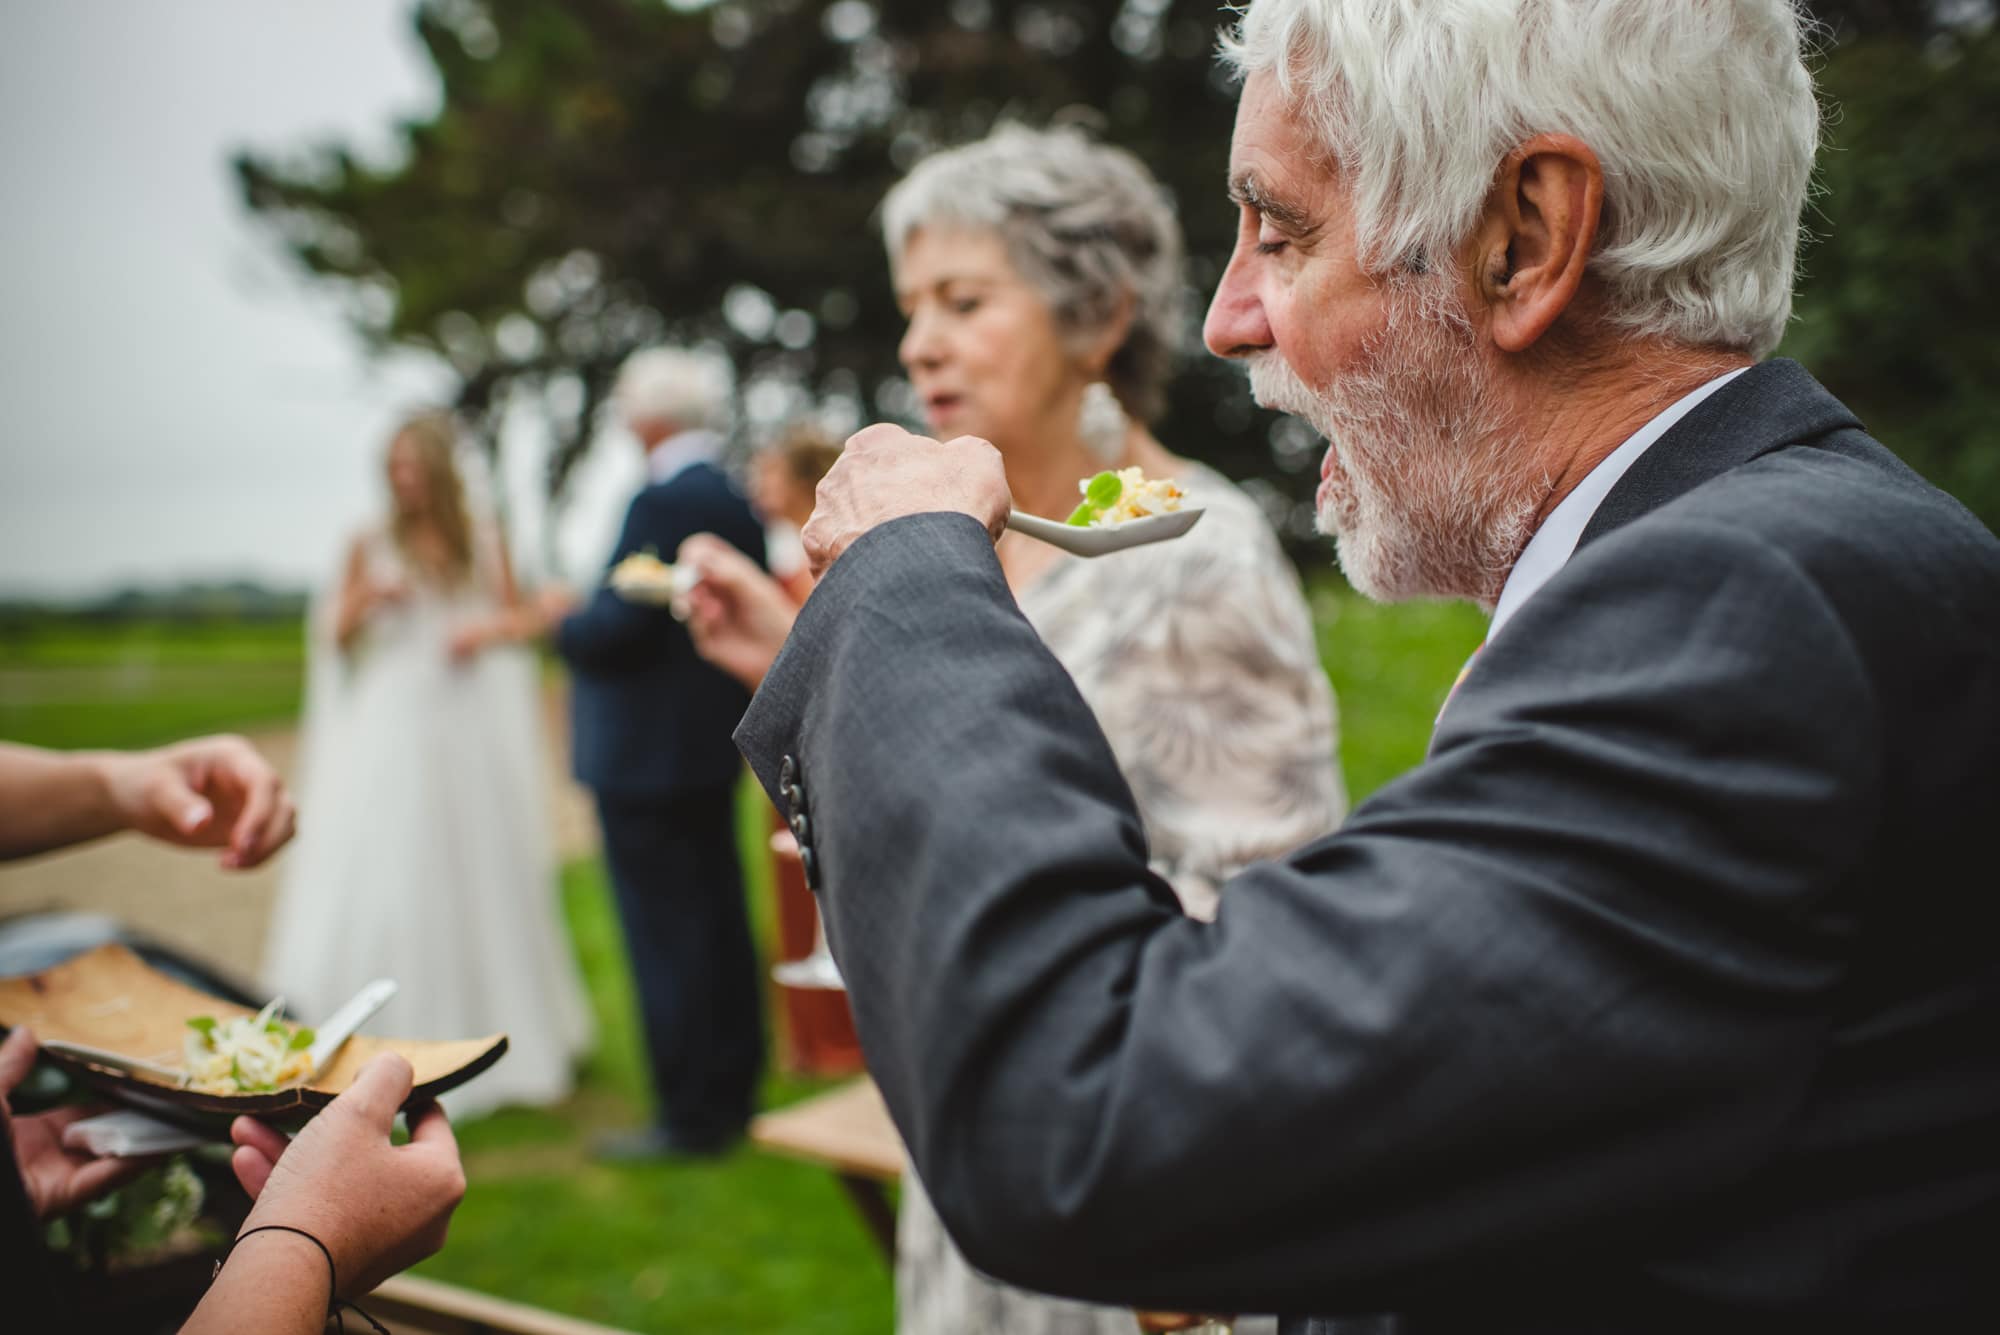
245, 1054
1124, 495
643, 570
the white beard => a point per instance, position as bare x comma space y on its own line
1426, 496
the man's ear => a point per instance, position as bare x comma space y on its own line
1534, 241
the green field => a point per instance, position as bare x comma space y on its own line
747, 1245
68, 682
750, 1243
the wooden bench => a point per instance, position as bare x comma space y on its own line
847, 1130
408, 1305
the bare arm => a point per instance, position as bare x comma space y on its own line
275, 1284
211, 792
360, 596
515, 621
49, 800
376, 1207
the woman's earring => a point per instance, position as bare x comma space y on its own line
1102, 423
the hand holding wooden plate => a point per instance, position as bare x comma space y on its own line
112, 1000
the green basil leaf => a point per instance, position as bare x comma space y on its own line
1104, 490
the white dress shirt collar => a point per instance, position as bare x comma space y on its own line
1555, 541
680, 452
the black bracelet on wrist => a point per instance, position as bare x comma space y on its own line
336, 1309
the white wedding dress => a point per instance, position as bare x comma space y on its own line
424, 850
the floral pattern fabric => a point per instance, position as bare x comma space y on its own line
1198, 658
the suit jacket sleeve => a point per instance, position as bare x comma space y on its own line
1568, 975
609, 633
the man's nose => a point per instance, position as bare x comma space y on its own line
1236, 325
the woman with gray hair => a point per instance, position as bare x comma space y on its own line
1041, 276
1041, 280
1040, 273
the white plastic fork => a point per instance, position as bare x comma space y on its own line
340, 1025
116, 1061
1100, 539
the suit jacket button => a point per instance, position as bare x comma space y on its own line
802, 829
809, 860
788, 770
795, 798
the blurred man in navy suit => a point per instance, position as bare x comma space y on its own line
651, 737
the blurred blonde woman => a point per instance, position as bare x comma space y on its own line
426, 856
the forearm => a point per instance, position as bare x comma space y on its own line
1109, 1101
49, 800
274, 1284
349, 618
518, 623
505, 626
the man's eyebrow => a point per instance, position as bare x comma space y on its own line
1246, 190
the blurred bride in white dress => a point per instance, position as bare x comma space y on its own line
424, 850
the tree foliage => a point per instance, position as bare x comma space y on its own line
601, 174
1895, 311
605, 173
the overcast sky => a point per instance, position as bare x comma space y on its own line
175, 402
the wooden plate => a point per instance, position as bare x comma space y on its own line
109, 998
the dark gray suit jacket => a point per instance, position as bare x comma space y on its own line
649, 719
1653, 1000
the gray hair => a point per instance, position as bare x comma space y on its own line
1084, 222
690, 389
1701, 111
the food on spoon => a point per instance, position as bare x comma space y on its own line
245, 1054
1127, 494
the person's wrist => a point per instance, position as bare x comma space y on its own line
109, 775
287, 1249
319, 1220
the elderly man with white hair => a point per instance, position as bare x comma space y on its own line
650, 737
1652, 999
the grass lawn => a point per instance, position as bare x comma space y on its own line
1391, 669
70, 683
751, 1244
